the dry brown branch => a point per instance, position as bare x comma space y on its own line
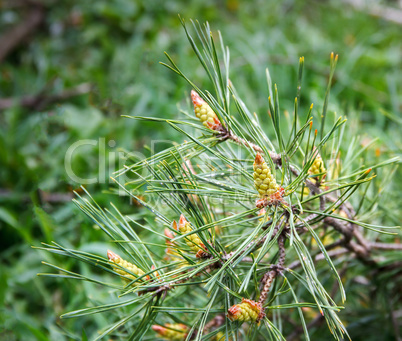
41, 100
269, 277
18, 34
43, 196
385, 246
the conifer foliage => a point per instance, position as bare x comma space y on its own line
253, 209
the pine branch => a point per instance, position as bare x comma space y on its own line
269, 277
233, 212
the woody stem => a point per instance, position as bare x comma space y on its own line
360, 246
269, 277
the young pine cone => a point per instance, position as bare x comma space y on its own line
264, 181
204, 112
128, 277
246, 311
172, 332
170, 252
193, 241
317, 168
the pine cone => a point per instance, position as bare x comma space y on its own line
193, 241
128, 277
317, 167
170, 252
264, 181
205, 113
246, 311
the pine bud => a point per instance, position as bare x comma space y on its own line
204, 112
170, 252
246, 311
172, 332
264, 181
317, 167
169, 235
128, 277
193, 241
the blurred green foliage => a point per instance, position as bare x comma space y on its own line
116, 46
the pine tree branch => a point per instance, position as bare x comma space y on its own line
255, 243
361, 249
269, 277
227, 134
385, 246
164, 287
41, 100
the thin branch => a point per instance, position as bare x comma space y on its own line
269, 277
43, 196
361, 248
41, 100
385, 246
276, 158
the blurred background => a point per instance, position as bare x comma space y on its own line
70, 69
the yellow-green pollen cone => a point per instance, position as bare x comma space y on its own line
127, 276
204, 112
317, 167
246, 311
172, 332
193, 241
264, 181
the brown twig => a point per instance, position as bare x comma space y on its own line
385, 246
43, 196
41, 100
229, 135
269, 277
